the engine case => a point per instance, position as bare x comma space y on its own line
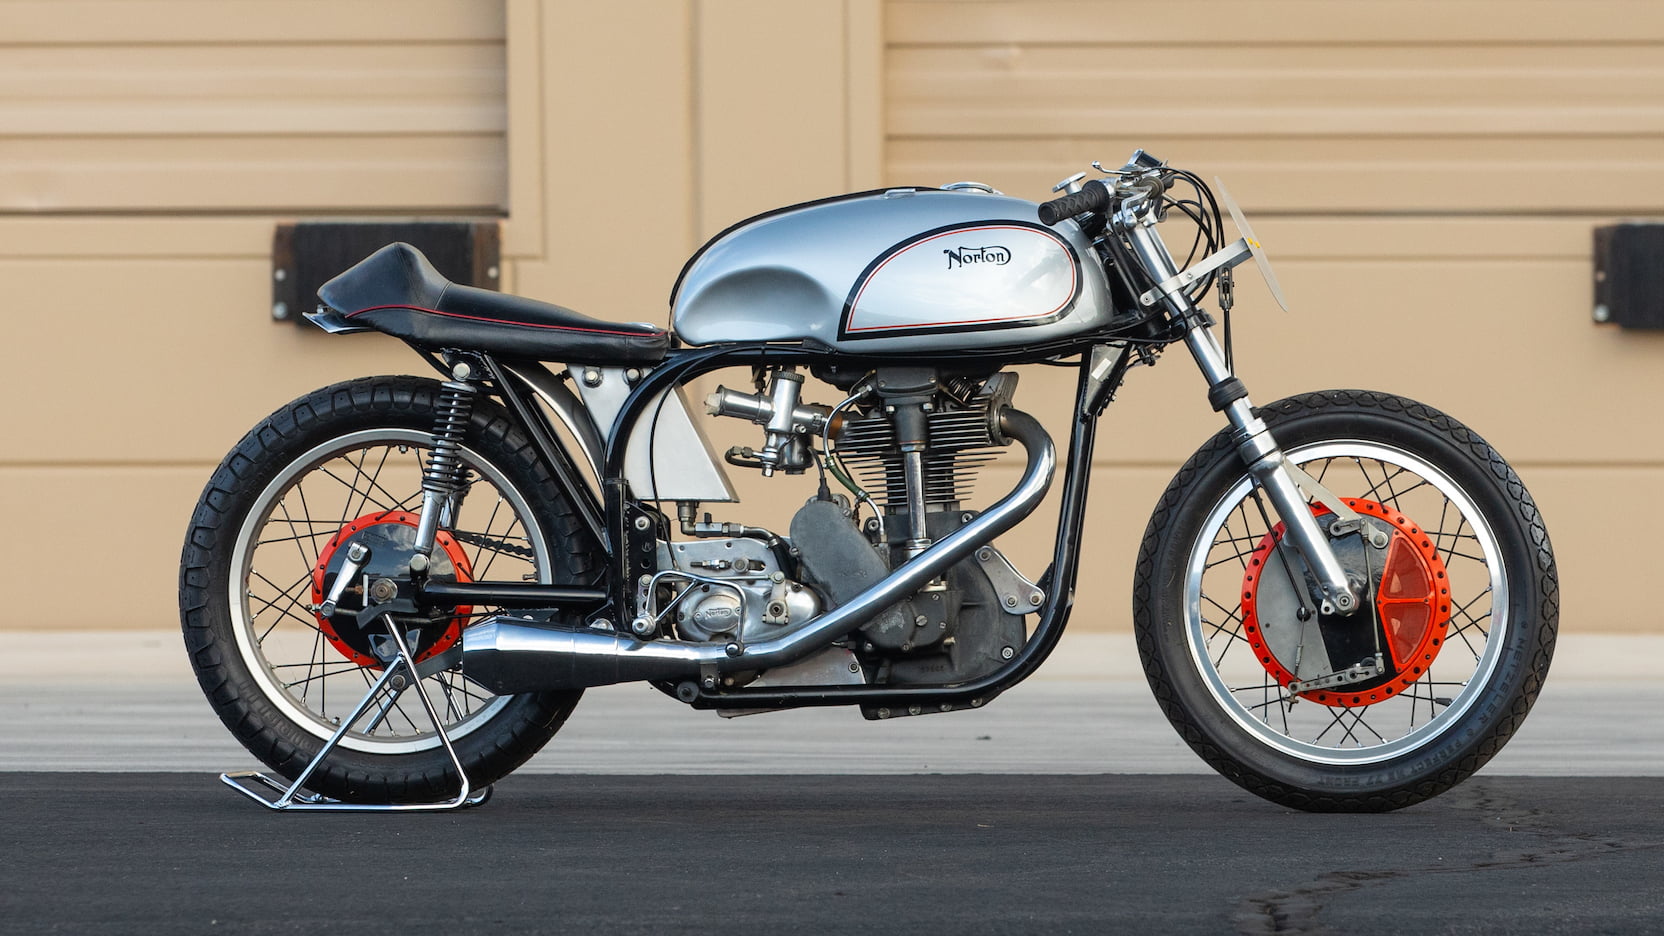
733, 589
938, 636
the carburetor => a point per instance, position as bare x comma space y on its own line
788, 423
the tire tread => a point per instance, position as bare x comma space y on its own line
362, 402
1541, 649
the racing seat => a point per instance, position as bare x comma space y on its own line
397, 291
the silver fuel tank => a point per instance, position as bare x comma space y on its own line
903, 271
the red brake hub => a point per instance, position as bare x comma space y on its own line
1412, 608
450, 561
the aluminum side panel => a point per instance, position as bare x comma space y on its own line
668, 456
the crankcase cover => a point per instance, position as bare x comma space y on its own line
902, 271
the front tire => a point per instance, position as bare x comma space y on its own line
341, 461
1481, 661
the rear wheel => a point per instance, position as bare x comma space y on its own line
1412, 693
343, 466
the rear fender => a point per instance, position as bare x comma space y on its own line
334, 322
570, 410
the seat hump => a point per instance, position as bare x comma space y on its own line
397, 291
397, 274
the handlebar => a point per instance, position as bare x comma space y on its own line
1099, 196
1093, 196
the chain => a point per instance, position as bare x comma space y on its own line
478, 539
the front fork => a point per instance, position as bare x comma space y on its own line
1334, 593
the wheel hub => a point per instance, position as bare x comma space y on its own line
1367, 657
391, 538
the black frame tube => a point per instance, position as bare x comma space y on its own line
680, 366
548, 445
510, 595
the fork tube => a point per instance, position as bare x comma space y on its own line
1254, 443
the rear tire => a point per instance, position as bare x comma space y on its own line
1402, 742
278, 679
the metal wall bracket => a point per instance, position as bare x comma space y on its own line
307, 254
293, 797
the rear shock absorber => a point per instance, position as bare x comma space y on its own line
443, 477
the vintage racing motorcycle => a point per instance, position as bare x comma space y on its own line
394, 590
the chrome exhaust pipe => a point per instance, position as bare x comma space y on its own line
509, 656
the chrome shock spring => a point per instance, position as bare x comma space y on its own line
443, 475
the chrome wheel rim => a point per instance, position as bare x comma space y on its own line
1365, 734
280, 641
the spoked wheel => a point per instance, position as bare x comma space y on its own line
343, 468
1388, 706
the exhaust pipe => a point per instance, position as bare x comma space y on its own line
509, 656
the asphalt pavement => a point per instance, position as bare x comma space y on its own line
93, 853
1066, 806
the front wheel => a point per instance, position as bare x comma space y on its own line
1393, 704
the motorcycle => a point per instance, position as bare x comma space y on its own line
1344, 601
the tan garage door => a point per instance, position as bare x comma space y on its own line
146, 148
1425, 172
184, 105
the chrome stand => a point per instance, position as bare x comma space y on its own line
257, 786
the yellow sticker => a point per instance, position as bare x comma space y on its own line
1253, 243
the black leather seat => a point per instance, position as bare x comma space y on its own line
397, 291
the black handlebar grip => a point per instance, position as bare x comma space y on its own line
1093, 196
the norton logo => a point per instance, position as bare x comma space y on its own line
972, 256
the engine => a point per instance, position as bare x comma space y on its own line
905, 445
960, 433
